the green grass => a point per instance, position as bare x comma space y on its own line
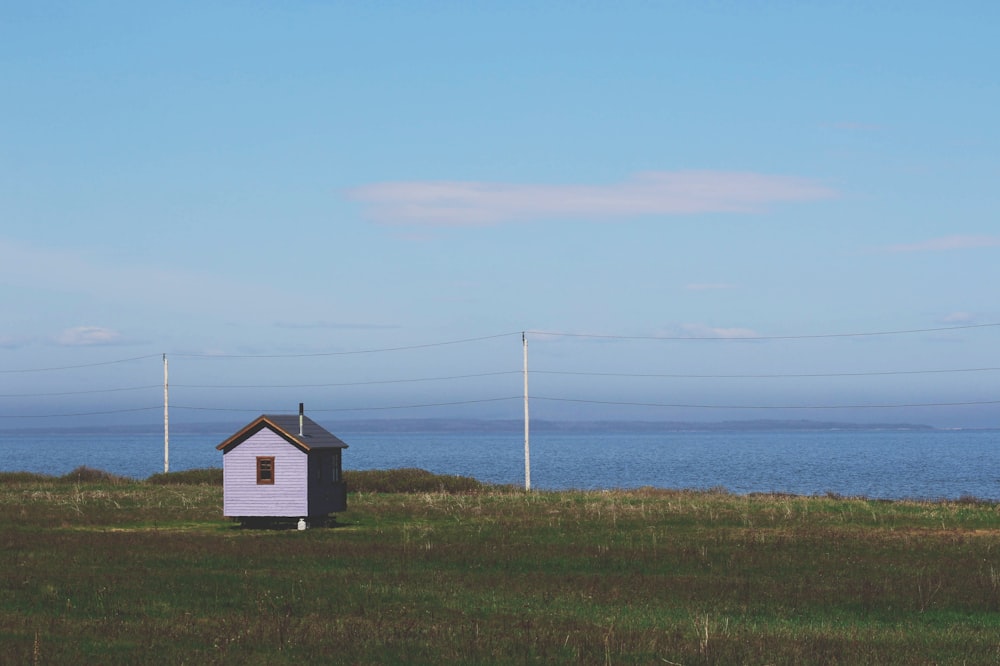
210, 476
118, 571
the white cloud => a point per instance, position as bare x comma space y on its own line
470, 203
11, 342
85, 336
947, 243
703, 331
682, 331
334, 325
958, 318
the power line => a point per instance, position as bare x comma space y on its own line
764, 407
762, 376
433, 404
761, 337
368, 383
101, 413
351, 409
87, 392
346, 353
84, 365
502, 335
512, 372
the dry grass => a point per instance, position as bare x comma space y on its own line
114, 573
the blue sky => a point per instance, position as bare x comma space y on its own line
251, 179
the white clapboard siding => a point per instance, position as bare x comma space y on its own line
288, 496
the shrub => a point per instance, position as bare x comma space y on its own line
972, 500
211, 476
84, 474
23, 477
409, 480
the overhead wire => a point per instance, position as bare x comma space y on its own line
531, 372
86, 392
353, 409
83, 365
764, 376
97, 413
410, 380
341, 384
502, 335
349, 352
734, 338
764, 407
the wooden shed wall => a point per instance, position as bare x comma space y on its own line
287, 497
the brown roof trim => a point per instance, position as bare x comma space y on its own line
256, 426
287, 427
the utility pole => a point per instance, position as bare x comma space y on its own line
527, 448
166, 419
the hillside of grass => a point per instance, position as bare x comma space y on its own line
428, 570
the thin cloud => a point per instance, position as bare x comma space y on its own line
947, 243
334, 325
11, 342
958, 318
470, 203
682, 331
86, 336
704, 331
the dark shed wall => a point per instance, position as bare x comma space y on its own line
327, 490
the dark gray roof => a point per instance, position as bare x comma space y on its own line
314, 436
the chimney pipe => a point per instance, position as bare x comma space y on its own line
302, 411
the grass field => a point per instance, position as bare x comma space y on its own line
425, 569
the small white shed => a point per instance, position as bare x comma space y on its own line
283, 466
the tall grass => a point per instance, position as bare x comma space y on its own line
410, 480
406, 480
211, 476
136, 572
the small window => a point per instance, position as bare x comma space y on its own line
265, 470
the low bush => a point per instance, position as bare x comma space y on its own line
23, 477
406, 480
84, 474
409, 480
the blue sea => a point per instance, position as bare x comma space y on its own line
927, 464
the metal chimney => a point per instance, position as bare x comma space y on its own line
302, 411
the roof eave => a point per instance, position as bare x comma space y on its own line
256, 426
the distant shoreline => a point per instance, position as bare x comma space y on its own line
514, 425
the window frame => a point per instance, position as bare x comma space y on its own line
268, 468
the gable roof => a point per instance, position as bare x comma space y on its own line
314, 436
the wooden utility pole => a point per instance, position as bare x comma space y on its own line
527, 448
166, 419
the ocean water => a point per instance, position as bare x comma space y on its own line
879, 464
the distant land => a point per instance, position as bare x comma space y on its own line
539, 425
507, 425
